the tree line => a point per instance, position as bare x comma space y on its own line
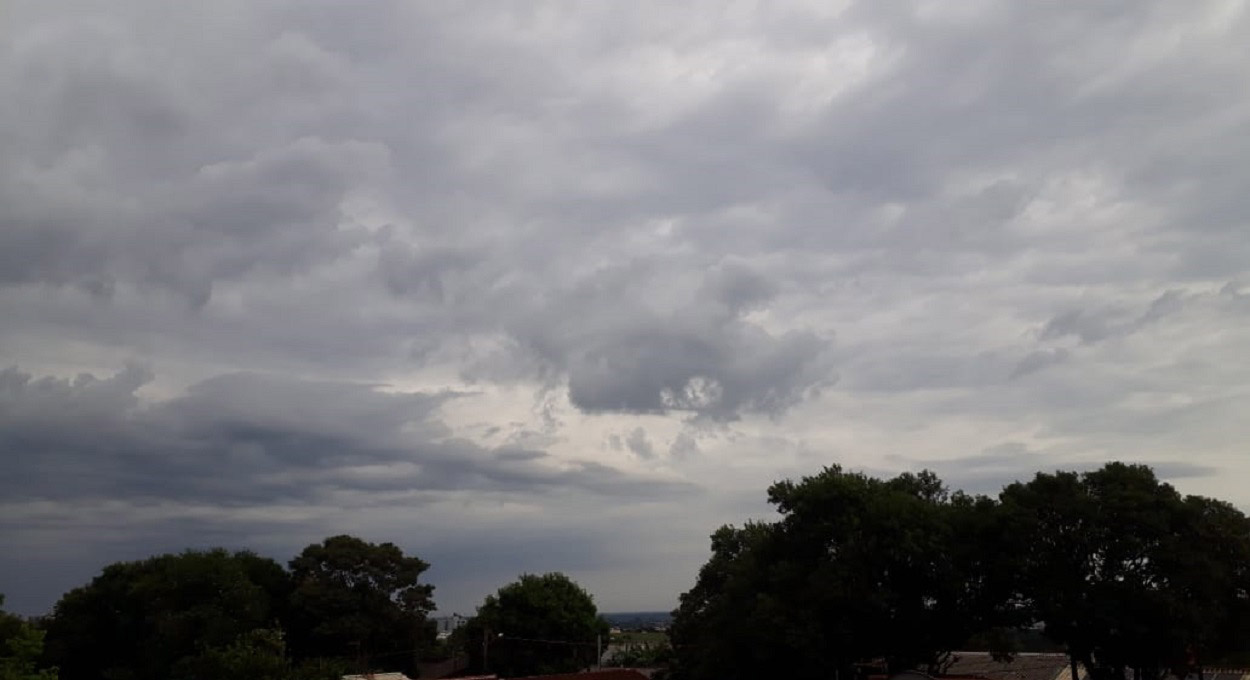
341, 606
856, 576
1129, 577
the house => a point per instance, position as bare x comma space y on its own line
1033, 666
1024, 666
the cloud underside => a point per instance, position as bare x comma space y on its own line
254, 440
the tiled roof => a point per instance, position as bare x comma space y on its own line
1022, 667
1222, 674
1048, 666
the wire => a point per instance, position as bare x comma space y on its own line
500, 637
550, 642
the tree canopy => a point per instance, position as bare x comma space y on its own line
21, 646
260, 654
856, 568
1127, 573
198, 613
355, 598
536, 625
137, 619
1117, 567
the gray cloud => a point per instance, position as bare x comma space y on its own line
638, 443
1085, 326
683, 446
256, 439
398, 255
253, 460
1094, 326
997, 466
644, 338
1038, 360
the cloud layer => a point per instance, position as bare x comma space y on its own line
576, 282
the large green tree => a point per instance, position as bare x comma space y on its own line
720, 631
1050, 520
1125, 572
536, 625
362, 600
856, 568
1209, 563
136, 620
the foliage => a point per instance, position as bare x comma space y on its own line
642, 655
536, 625
203, 613
1125, 572
712, 630
356, 599
10, 624
21, 645
136, 620
638, 649
1120, 569
644, 638
322, 668
857, 568
257, 655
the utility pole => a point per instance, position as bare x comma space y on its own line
361, 662
485, 650
599, 651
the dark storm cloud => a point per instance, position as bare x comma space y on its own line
247, 460
248, 439
241, 198
636, 338
245, 196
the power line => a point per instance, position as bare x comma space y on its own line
550, 642
498, 637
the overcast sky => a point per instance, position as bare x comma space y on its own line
564, 286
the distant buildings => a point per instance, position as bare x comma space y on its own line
445, 624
